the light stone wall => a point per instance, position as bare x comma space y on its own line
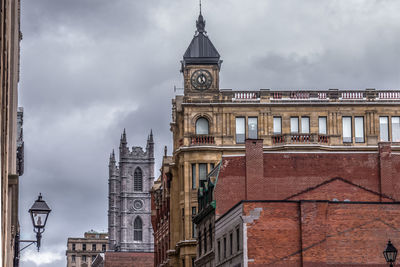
9, 78
122, 198
221, 107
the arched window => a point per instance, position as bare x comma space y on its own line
202, 126
138, 229
138, 180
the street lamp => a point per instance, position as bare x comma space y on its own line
39, 213
390, 254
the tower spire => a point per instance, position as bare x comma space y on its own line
200, 6
200, 23
123, 137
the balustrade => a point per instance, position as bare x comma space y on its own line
278, 139
202, 140
300, 138
247, 96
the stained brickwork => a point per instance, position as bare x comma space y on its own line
287, 174
320, 233
128, 259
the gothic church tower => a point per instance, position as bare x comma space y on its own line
129, 213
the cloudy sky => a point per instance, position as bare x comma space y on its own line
90, 68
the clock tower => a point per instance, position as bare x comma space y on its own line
201, 65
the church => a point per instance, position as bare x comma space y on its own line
309, 147
130, 181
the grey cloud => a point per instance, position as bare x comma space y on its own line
91, 68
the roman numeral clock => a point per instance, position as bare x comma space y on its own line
201, 80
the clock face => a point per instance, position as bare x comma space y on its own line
201, 79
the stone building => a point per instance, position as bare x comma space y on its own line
209, 123
10, 37
129, 214
82, 251
160, 217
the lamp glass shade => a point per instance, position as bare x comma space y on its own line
390, 253
39, 213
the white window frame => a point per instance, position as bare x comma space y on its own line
294, 125
384, 129
277, 123
305, 125
359, 135
349, 138
322, 121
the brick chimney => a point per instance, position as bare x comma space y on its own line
385, 170
254, 169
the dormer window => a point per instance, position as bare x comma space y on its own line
202, 126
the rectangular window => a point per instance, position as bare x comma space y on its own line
193, 261
103, 247
294, 125
194, 176
84, 258
359, 129
202, 171
277, 125
322, 125
231, 244
384, 128
73, 247
253, 128
224, 247
305, 125
240, 130
211, 166
73, 258
84, 247
94, 247
211, 236
93, 258
395, 129
199, 241
237, 239
205, 240
347, 136
219, 250
193, 224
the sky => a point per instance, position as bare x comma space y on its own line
90, 68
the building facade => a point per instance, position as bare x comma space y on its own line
129, 214
299, 208
82, 251
10, 37
209, 123
160, 217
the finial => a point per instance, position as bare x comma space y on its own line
165, 151
200, 6
151, 136
123, 137
200, 23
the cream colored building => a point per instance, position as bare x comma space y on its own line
9, 77
82, 251
208, 122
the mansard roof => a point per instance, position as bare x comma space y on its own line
201, 50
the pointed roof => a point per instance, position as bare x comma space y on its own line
201, 50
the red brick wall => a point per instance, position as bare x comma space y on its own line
128, 259
287, 174
311, 233
254, 168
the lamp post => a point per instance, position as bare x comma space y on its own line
39, 214
390, 253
